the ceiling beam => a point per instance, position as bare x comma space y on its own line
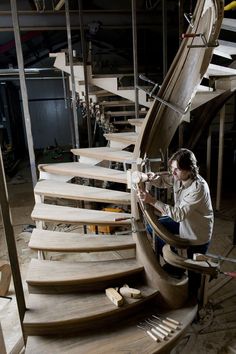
55, 20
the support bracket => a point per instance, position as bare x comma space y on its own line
204, 44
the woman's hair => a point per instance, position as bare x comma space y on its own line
186, 160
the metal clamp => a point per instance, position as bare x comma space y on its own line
155, 84
203, 38
168, 104
189, 19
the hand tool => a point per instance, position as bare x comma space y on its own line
166, 322
160, 335
156, 326
149, 333
167, 329
170, 320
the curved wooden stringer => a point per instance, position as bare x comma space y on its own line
67, 308
160, 124
203, 266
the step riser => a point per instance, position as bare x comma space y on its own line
77, 325
81, 249
81, 286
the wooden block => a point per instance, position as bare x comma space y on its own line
130, 292
5, 277
114, 296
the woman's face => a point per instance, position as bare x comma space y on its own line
179, 175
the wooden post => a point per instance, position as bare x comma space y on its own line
220, 157
24, 93
208, 162
11, 244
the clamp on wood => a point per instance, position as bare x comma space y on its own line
155, 84
168, 104
203, 38
189, 19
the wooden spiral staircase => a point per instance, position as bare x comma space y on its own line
67, 307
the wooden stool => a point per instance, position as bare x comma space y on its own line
5, 270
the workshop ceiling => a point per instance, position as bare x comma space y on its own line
108, 30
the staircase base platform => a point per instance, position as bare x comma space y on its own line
120, 338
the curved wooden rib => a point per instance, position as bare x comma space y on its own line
182, 80
159, 126
205, 267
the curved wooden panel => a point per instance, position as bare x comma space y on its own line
182, 80
160, 125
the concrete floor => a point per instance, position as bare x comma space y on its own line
215, 332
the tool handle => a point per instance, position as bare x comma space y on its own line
152, 336
169, 324
158, 334
162, 330
167, 329
189, 35
173, 321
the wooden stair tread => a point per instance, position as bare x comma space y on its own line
129, 138
57, 213
80, 192
136, 121
124, 113
119, 338
74, 242
78, 169
49, 273
105, 153
78, 310
116, 103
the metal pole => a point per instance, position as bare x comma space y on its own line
84, 56
135, 57
67, 92
76, 127
208, 162
11, 244
164, 38
24, 91
220, 157
181, 16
